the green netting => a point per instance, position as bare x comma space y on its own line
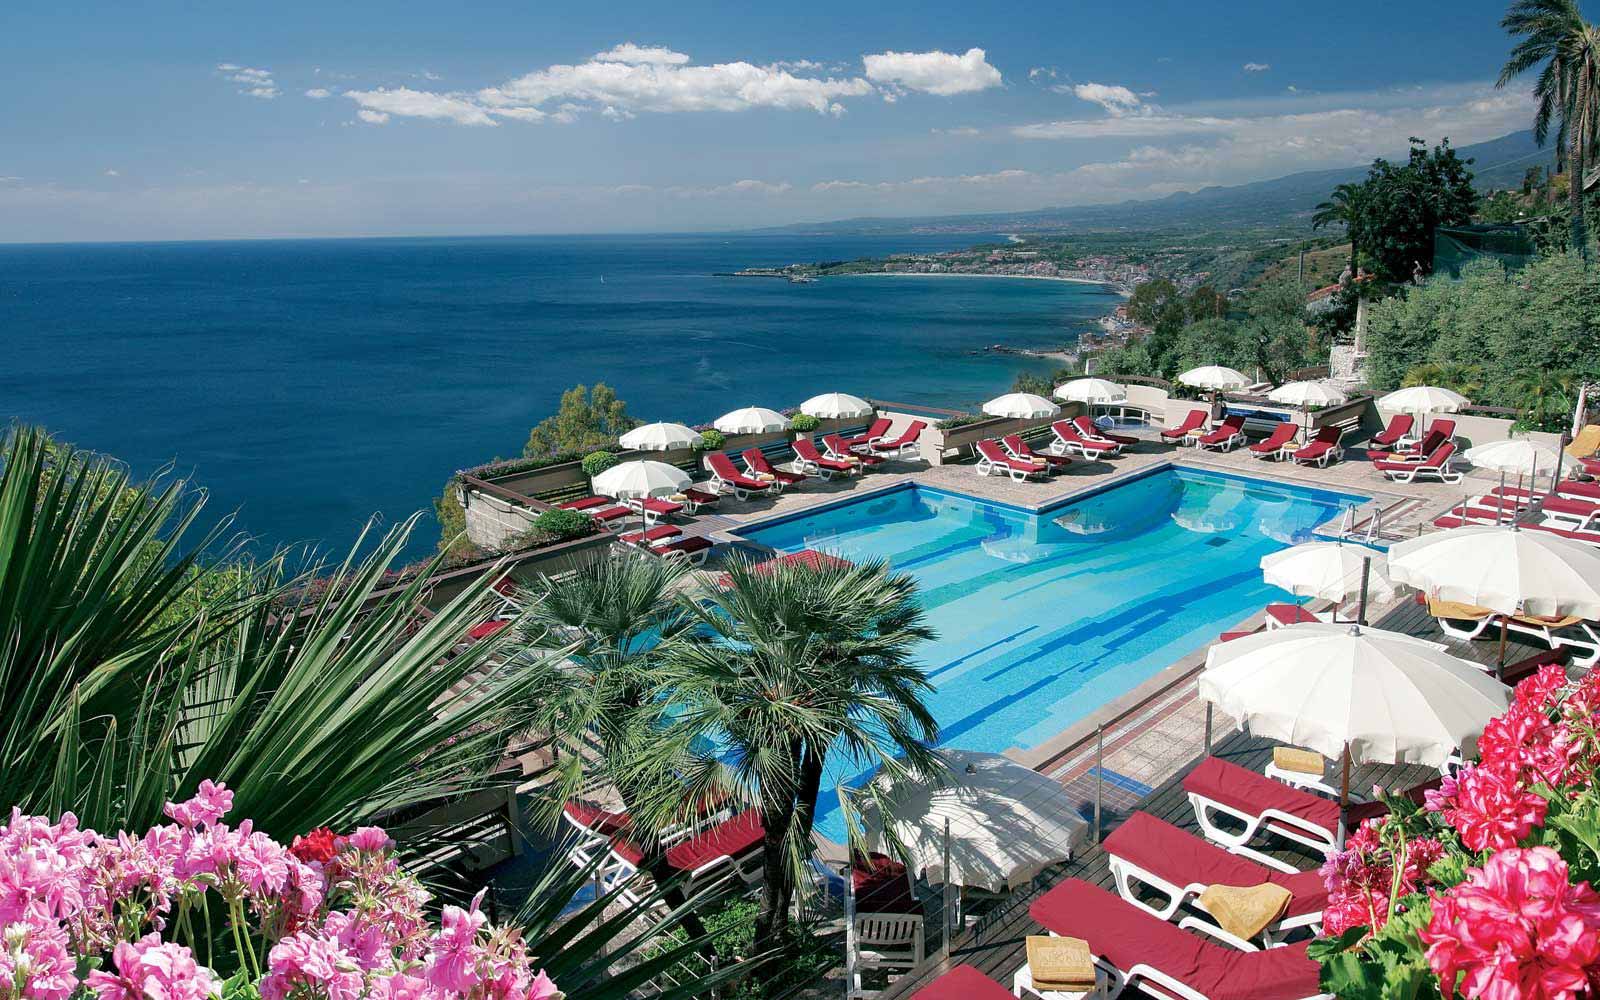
1508, 243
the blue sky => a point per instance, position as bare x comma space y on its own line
165, 120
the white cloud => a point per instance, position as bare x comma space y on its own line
252, 82
1042, 73
13, 179
372, 117
739, 187
642, 55
1117, 100
941, 73
998, 178
113, 173
318, 93
962, 130
1255, 67
408, 103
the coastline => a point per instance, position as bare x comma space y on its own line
970, 274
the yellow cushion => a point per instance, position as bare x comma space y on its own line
1297, 760
1456, 610
1060, 963
1245, 911
1586, 443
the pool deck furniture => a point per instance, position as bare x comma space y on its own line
587, 503
908, 443
725, 477
963, 983
1092, 432
839, 448
1277, 446
1590, 537
992, 460
693, 549
653, 509
1324, 448
1467, 623
1070, 439
1019, 450
875, 432
1166, 960
694, 501
1564, 512
756, 464
813, 463
650, 536
1179, 433
1226, 437
1391, 436
606, 515
1217, 788
1278, 615
1416, 452
1151, 854
1435, 466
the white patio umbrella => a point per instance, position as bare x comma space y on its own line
1514, 455
1424, 399
1091, 390
837, 405
751, 420
1006, 822
1021, 405
1306, 395
1353, 693
1214, 377
659, 437
1331, 571
633, 480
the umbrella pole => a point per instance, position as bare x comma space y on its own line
1361, 608
1500, 499
1344, 794
1500, 664
944, 911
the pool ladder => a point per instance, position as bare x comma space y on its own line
1347, 526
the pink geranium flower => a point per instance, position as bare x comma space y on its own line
150, 969
1492, 810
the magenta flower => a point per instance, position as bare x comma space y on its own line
455, 952
1492, 810
149, 969
209, 805
318, 965
369, 838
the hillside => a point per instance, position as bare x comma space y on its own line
1283, 202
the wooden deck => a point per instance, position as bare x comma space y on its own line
995, 944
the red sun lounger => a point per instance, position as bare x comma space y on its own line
724, 475
694, 499
659, 533
909, 440
812, 462
1020, 451
839, 448
1069, 439
963, 983
694, 549
1153, 854
586, 503
1165, 960
1435, 466
755, 463
1278, 444
1191, 423
1399, 426
1224, 438
993, 460
1261, 805
1416, 453
879, 428
1324, 448
1091, 431
610, 514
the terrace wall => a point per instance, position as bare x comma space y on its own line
1483, 424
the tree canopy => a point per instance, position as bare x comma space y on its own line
587, 419
1392, 214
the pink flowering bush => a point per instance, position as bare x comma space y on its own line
1486, 890
196, 909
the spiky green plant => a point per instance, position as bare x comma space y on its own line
797, 663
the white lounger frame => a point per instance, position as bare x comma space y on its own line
1228, 443
1125, 873
1412, 470
1062, 446
988, 467
1138, 975
1267, 821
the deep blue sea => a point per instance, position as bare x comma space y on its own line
309, 384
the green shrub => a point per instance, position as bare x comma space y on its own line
560, 524
597, 462
802, 954
804, 422
711, 440
949, 423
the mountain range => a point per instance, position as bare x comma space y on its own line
1287, 201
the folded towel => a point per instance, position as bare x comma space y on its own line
1456, 610
1060, 964
1297, 760
1245, 911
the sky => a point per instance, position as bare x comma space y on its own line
151, 120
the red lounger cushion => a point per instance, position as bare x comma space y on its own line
1250, 793
1289, 614
597, 819
486, 629
881, 886
686, 545
1315, 449
1126, 936
586, 503
963, 983
701, 496
655, 534
611, 513
656, 506
738, 835
1181, 857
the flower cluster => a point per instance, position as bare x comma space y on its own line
335, 916
1378, 865
1517, 927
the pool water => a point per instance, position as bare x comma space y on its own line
1043, 617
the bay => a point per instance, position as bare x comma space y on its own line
310, 384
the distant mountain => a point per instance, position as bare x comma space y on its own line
1283, 201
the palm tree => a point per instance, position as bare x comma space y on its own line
1554, 36
129, 673
1544, 397
799, 662
1343, 207
1454, 375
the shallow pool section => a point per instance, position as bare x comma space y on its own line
1043, 617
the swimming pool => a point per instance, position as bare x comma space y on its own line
1043, 617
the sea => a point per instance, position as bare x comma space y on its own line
310, 385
